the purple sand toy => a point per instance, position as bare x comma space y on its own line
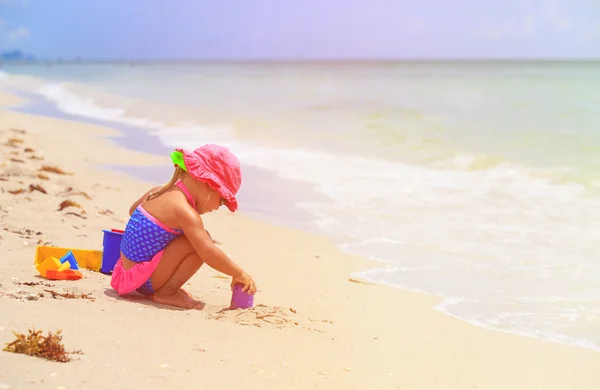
241, 300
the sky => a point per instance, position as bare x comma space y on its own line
301, 29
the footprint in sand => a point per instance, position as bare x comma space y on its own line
264, 316
260, 316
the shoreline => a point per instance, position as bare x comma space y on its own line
142, 140
367, 335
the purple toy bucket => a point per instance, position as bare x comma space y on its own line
241, 300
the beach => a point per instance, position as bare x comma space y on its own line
314, 326
468, 181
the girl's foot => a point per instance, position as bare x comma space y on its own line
180, 299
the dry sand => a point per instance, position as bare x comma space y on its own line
312, 328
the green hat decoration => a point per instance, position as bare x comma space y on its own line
177, 158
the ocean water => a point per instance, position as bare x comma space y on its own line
478, 182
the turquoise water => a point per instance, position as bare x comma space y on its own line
476, 181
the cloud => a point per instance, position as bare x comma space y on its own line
414, 25
592, 33
549, 18
18, 34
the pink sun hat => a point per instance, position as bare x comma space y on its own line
216, 166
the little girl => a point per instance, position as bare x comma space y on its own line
165, 242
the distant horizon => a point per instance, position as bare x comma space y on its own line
30, 58
81, 60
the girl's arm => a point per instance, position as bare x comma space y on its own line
193, 228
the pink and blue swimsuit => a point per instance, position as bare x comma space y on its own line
144, 242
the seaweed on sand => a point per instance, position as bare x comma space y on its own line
36, 344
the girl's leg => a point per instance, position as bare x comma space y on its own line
178, 264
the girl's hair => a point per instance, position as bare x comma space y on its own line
177, 174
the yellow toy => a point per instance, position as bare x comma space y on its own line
52, 264
90, 259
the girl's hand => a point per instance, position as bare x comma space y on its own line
246, 281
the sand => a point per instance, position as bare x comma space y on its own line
313, 326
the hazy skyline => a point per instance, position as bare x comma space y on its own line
307, 29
